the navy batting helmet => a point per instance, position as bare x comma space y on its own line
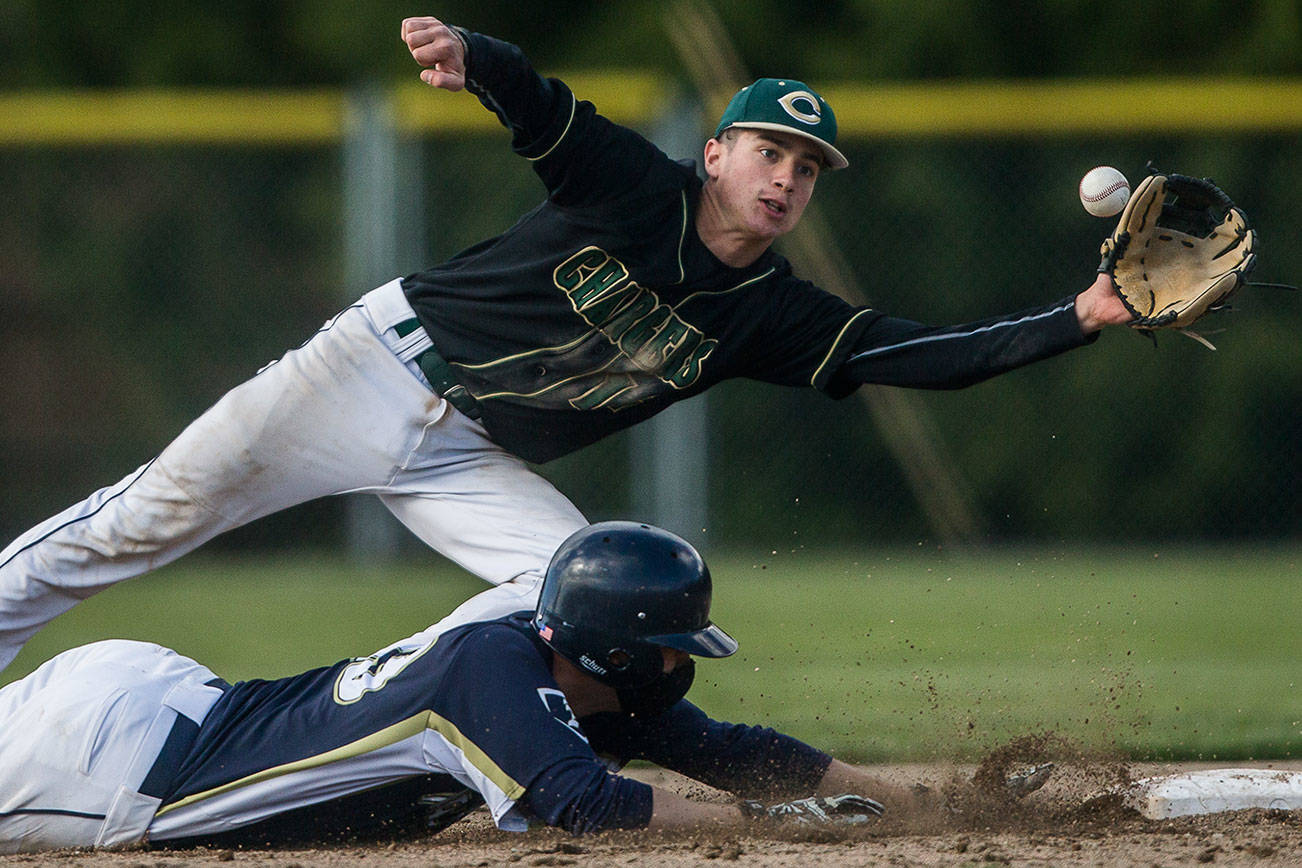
617, 591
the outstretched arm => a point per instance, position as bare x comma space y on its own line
891, 351
751, 762
843, 778
673, 812
537, 111
580, 156
837, 803
807, 336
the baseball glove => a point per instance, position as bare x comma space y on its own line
1179, 250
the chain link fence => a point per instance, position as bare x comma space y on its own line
140, 282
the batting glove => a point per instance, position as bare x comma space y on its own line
844, 810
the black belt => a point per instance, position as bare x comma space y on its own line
440, 376
175, 749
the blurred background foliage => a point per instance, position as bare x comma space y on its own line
256, 42
138, 283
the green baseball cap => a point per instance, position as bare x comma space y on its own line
788, 106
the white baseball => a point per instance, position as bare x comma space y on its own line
1104, 191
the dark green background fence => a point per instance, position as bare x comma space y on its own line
138, 282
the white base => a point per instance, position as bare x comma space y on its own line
1214, 790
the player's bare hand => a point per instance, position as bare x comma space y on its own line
1100, 306
435, 47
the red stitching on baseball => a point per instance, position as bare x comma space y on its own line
1118, 185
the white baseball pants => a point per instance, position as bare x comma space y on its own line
79, 736
349, 411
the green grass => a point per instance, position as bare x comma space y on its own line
876, 655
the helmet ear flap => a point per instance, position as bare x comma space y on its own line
618, 659
615, 661
630, 664
633, 665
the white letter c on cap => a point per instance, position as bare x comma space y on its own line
789, 101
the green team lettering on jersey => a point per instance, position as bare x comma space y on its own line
634, 320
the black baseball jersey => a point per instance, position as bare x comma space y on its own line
473, 709
602, 306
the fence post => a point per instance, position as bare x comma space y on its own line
383, 227
670, 461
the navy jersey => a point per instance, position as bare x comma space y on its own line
602, 306
474, 708
477, 703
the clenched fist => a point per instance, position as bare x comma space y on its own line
436, 47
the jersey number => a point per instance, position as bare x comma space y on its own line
368, 674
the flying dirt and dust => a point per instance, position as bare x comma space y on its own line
1079, 817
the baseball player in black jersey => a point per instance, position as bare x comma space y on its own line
634, 284
120, 743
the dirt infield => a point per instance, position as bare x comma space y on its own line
1075, 820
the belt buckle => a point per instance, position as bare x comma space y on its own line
441, 379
